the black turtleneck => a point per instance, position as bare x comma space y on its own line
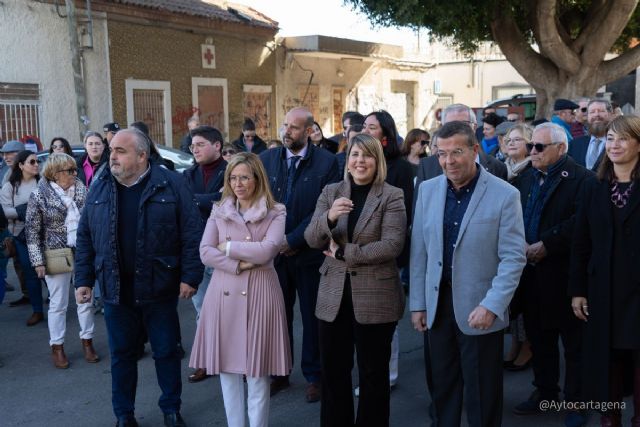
359, 195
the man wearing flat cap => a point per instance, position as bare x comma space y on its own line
564, 115
110, 130
9, 151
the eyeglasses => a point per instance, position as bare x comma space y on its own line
583, 109
512, 120
57, 147
70, 171
517, 140
455, 154
243, 179
199, 146
539, 146
228, 152
32, 162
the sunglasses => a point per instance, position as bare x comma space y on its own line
583, 109
538, 146
32, 162
70, 171
424, 142
228, 152
56, 146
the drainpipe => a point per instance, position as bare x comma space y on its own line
76, 61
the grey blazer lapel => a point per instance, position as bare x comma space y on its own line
370, 205
478, 193
440, 200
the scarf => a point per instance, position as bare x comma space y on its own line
73, 214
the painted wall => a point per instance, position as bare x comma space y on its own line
156, 53
34, 42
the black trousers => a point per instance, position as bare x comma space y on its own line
464, 365
372, 343
546, 355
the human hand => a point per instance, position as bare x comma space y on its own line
245, 265
285, 249
536, 252
340, 207
186, 291
419, 320
333, 247
83, 295
580, 307
481, 318
222, 247
41, 271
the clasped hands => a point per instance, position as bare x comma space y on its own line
536, 252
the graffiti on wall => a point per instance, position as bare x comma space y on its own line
180, 116
257, 106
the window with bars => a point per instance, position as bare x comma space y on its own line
148, 107
19, 111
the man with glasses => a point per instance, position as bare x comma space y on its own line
564, 115
467, 254
205, 180
588, 150
579, 125
429, 166
549, 195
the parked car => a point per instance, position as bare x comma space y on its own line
180, 160
520, 100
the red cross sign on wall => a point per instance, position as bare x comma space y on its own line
208, 55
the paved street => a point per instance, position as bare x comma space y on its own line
33, 393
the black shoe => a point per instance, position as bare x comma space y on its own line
127, 421
278, 384
21, 301
181, 352
174, 420
531, 406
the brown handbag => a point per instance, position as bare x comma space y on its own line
58, 260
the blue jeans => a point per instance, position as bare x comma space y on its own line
161, 322
198, 298
34, 285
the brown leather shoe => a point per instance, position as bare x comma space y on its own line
35, 319
198, 375
313, 392
278, 384
89, 353
60, 360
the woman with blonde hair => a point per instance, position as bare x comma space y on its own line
53, 214
242, 328
360, 223
518, 159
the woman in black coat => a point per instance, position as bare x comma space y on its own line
605, 272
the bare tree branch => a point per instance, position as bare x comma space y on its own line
551, 44
619, 66
599, 42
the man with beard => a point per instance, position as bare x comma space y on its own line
588, 150
298, 171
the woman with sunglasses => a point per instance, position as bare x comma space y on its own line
413, 147
95, 160
60, 145
228, 150
605, 271
14, 196
52, 220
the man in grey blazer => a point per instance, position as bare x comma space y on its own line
467, 254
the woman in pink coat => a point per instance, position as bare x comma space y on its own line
242, 328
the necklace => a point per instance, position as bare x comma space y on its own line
618, 198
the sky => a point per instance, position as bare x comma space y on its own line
328, 18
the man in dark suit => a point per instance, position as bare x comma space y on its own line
429, 167
298, 171
549, 195
588, 150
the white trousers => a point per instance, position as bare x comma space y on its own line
257, 401
59, 285
393, 360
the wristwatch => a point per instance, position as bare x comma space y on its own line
339, 254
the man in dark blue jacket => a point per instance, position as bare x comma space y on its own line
205, 179
297, 173
139, 235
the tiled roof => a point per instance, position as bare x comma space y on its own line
212, 9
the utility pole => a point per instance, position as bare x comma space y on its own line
78, 80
